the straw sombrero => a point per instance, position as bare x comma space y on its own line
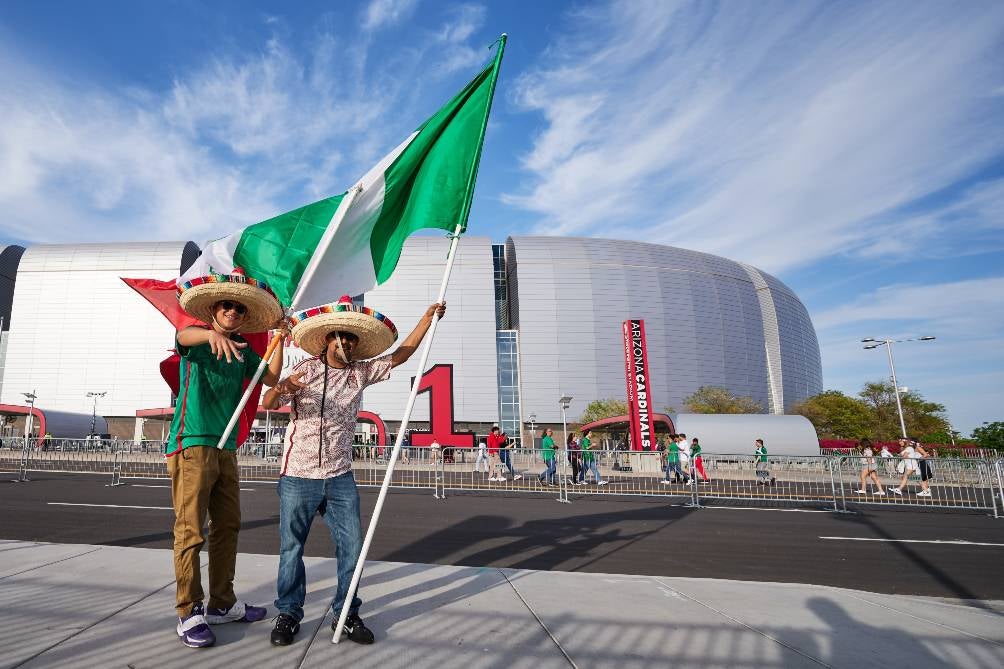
197, 297
375, 331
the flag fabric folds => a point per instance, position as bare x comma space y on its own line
427, 181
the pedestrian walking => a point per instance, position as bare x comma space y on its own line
685, 459
673, 461
762, 468
589, 460
926, 471
547, 445
482, 458
325, 393
499, 442
696, 454
908, 466
869, 468
574, 457
215, 361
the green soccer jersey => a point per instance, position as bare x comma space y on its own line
209, 392
762, 452
673, 454
547, 444
587, 454
695, 450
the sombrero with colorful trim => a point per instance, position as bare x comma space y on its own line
197, 297
375, 331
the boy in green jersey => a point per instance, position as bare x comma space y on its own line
215, 360
589, 461
547, 446
763, 474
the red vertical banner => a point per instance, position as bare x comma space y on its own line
639, 395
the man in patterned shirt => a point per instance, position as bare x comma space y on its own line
316, 476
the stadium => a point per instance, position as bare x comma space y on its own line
529, 321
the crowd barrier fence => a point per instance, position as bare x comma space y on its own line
833, 482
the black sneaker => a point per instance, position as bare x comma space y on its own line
355, 629
285, 630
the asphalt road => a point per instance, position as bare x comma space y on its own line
602, 535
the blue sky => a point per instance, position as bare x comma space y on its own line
854, 150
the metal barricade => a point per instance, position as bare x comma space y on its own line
947, 483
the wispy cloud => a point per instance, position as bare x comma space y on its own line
963, 367
241, 136
725, 127
382, 13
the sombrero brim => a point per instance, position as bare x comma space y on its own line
198, 296
376, 332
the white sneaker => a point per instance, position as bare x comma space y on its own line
924, 493
664, 482
896, 491
517, 477
602, 482
880, 492
861, 492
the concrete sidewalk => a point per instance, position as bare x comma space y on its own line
102, 606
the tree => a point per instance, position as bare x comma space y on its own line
598, 409
920, 416
836, 416
990, 435
715, 399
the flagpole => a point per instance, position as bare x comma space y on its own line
265, 359
308, 273
423, 361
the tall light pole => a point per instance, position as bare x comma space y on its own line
564, 402
31, 397
94, 410
870, 343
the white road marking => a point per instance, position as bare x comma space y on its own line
762, 508
113, 506
953, 542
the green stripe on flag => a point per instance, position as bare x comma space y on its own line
431, 183
277, 251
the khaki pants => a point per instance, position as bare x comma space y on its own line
204, 480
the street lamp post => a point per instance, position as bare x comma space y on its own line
31, 397
564, 402
870, 343
94, 409
533, 422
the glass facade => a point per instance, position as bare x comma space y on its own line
502, 321
507, 348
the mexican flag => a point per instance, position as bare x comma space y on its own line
350, 243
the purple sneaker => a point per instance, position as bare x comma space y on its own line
241, 612
194, 631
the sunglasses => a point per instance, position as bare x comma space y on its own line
227, 305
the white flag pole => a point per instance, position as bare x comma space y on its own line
371, 530
430, 335
308, 274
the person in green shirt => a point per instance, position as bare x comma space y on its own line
762, 472
698, 458
673, 462
215, 361
547, 451
589, 461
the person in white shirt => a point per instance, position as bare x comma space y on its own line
868, 468
911, 454
685, 458
482, 458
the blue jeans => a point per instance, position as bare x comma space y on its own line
299, 501
590, 466
552, 468
504, 457
675, 467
